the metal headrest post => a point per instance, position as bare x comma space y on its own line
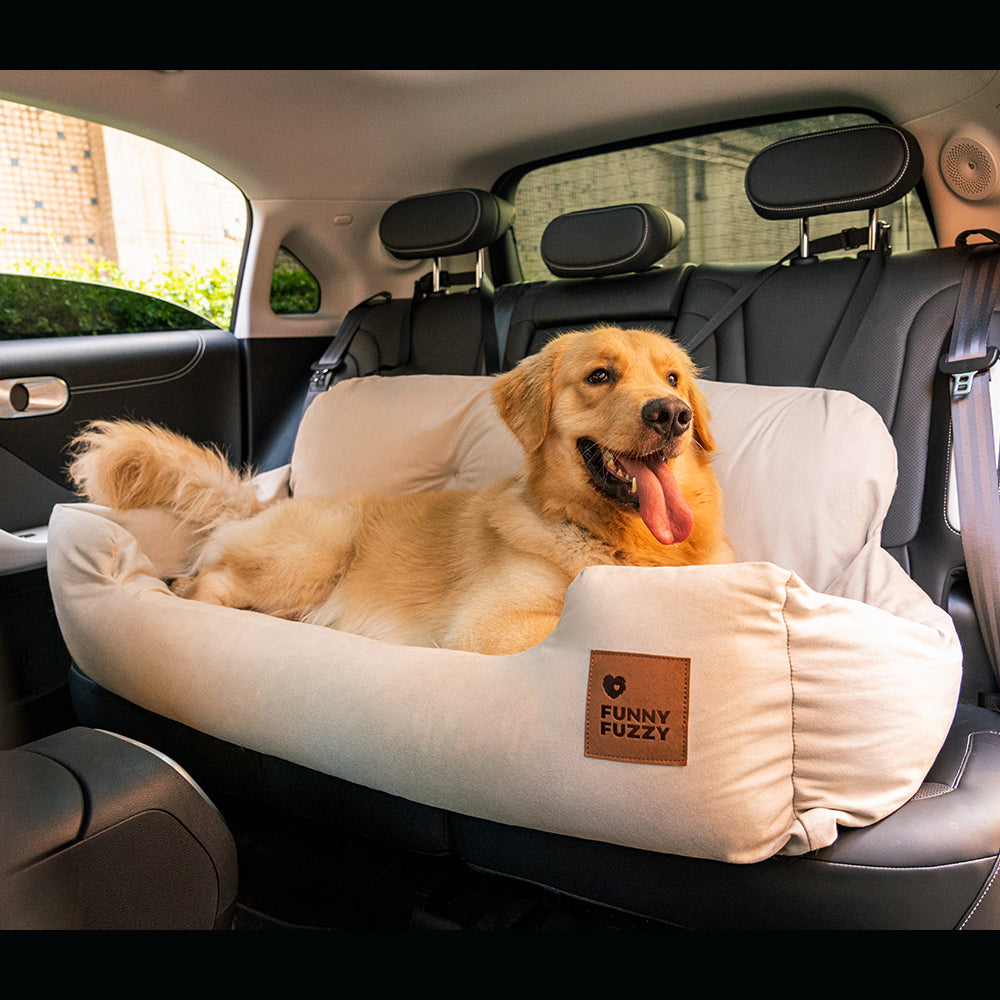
440, 279
805, 254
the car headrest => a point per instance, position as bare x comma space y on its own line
841, 170
444, 224
620, 239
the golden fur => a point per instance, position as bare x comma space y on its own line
484, 570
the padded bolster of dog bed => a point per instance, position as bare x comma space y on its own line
820, 685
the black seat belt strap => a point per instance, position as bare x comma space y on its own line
857, 307
333, 357
732, 304
848, 239
970, 355
491, 342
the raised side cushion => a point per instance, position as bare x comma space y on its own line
816, 681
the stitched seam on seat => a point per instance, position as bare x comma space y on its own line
897, 868
968, 752
983, 893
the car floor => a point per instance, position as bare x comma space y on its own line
297, 874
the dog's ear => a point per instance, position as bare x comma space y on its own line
702, 417
524, 398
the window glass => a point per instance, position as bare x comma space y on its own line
699, 178
31, 306
103, 212
294, 289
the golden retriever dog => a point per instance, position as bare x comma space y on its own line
616, 472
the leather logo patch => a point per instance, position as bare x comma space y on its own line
637, 708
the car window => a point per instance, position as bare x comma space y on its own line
699, 178
31, 306
105, 232
294, 288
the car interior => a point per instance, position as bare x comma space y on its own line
170, 765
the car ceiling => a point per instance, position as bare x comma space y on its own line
384, 134
313, 149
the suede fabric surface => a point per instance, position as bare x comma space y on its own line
822, 680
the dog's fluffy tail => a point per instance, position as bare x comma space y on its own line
126, 466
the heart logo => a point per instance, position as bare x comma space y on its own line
614, 686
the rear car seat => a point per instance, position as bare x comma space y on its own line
609, 263
785, 333
932, 863
914, 863
439, 330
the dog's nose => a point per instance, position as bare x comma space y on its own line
669, 417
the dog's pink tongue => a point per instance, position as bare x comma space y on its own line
662, 506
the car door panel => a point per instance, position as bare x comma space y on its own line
186, 380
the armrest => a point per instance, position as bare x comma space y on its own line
98, 831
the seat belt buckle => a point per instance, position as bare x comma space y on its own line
964, 370
321, 377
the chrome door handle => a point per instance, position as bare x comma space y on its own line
32, 397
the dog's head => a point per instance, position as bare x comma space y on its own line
613, 414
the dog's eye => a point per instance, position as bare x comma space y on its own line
672, 379
599, 376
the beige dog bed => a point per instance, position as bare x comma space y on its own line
726, 712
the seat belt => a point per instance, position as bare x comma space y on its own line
733, 303
848, 239
491, 341
857, 308
969, 356
333, 357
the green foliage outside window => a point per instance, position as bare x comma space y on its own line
44, 298
293, 288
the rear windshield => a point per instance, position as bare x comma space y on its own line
699, 178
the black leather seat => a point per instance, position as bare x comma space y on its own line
930, 864
608, 261
786, 333
439, 330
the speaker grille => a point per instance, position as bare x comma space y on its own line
968, 168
